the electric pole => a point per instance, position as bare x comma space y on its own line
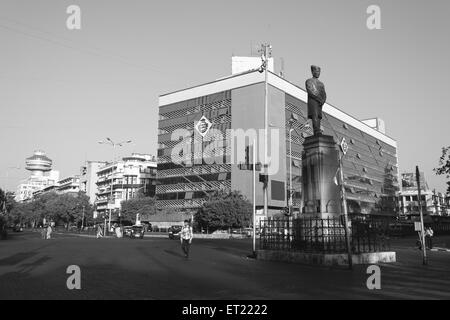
422, 229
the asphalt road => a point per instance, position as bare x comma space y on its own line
154, 268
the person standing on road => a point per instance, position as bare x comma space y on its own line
428, 238
186, 236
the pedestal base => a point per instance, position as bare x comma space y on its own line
321, 194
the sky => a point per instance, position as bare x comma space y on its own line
64, 90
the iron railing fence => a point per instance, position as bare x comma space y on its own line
315, 235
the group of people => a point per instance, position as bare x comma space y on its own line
429, 233
115, 229
46, 232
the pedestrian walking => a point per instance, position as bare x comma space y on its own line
429, 238
186, 236
49, 232
99, 231
44, 232
118, 232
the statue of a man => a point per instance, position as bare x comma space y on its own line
316, 99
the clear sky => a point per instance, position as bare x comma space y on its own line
63, 90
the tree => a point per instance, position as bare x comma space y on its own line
141, 204
223, 210
7, 201
444, 165
63, 209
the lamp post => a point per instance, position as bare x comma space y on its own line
114, 145
265, 55
294, 125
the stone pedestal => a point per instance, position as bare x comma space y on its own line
321, 195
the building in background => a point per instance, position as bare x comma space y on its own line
123, 180
237, 102
88, 179
408, 197
440, 203
68, 185
42, 176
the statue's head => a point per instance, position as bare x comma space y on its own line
315, 70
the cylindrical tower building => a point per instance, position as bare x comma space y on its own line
38, 163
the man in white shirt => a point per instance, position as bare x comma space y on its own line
186, 236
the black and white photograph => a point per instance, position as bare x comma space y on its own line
221, 158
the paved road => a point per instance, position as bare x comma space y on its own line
152, 268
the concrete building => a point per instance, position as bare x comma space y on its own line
408, 197
88, 178
42, 176
122, 180
237, 102
69, 185
433, 203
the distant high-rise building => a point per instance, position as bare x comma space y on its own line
41, 176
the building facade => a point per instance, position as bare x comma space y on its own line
236, 104
122, 180
432, 202
88, 178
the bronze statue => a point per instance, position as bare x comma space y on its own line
316, 99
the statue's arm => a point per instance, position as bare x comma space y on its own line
311, 88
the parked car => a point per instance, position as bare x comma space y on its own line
173, 232
136, 232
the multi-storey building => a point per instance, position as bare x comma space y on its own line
122, 180
238, 102
68, 185
432, 202
88, 179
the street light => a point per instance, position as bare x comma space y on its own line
110, 142
294, 125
